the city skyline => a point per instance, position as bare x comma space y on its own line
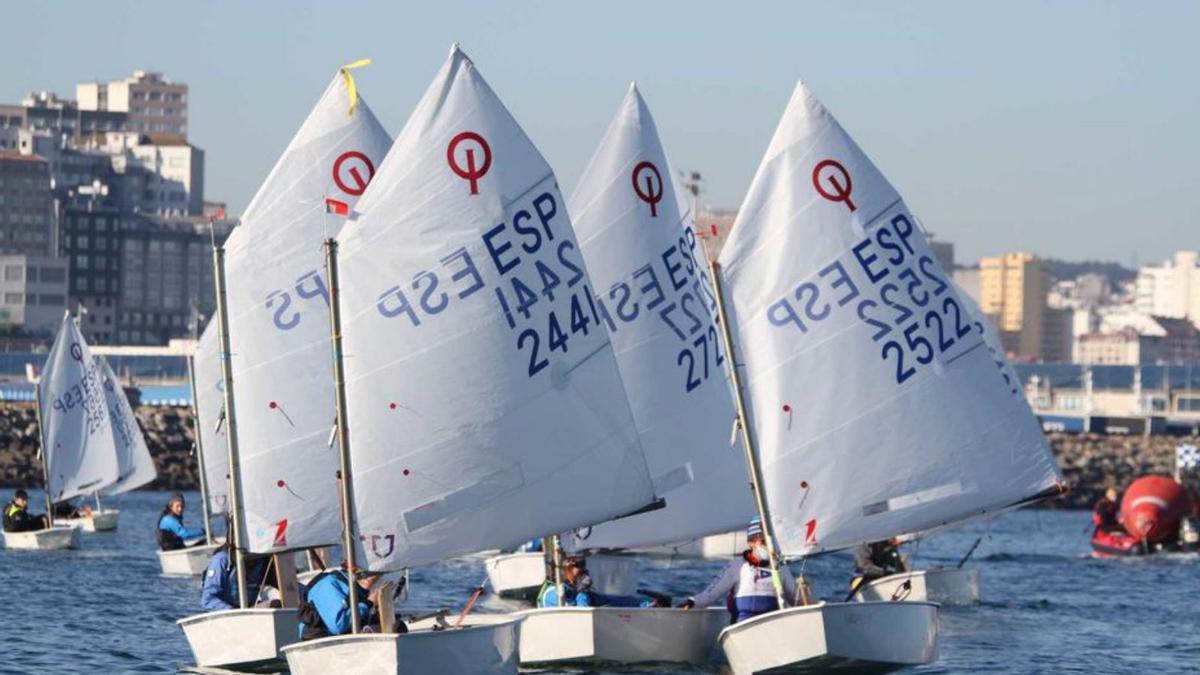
1006, 130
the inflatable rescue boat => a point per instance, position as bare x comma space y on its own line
1157, 516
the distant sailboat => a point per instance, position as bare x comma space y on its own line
79, 454
870, 405
656, 301
483, 402
275, 357
135, 466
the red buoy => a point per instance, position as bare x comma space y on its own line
1153, 506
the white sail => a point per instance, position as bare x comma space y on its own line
484, 401
135, 466
77, 438
980, 321
875, 404
656, 301
210, 412
279, 324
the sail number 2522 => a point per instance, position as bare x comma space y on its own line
898, 293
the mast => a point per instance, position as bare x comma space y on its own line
235, 479
37, 406
756, 479
78, 320
199, 449
343, 430
96, 493
558, 589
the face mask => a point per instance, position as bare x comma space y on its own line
583, 582
760, 552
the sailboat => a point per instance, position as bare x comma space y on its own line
204, 380
655, 300
869, 406
273, 330
79, 454
135, 466
482, 403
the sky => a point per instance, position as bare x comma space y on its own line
1068, 129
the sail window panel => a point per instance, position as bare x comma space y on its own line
914, 499
470, 498
673, 479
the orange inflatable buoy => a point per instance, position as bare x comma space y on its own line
1153, 506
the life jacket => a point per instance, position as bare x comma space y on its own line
12, 514
313, 626
168, 540
755, 591
568, 598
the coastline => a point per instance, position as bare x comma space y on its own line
1090, 463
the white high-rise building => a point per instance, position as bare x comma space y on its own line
1171, 289
155, 105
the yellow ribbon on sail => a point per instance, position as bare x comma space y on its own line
351, 89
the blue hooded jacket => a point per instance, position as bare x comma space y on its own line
175, 526
331, 596
219, 590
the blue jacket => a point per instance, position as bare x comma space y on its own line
219, 590
331, 597
174, 525
572, 598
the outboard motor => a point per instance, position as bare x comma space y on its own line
1189, 533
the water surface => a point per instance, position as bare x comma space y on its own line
1046, 605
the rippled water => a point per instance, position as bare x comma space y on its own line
1046, 606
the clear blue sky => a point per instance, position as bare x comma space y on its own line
1071, 129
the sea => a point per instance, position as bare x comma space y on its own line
1047, 606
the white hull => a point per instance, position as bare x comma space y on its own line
561, 635
189, 562
950, 586
717, 546
240, 637
51, 539
480, 647
99, 521
855, 636
520, 575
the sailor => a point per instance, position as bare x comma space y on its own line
325, 605
172, 535
876, 560
577, 590
219, 590
18, 519
749, 580
1104, 513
